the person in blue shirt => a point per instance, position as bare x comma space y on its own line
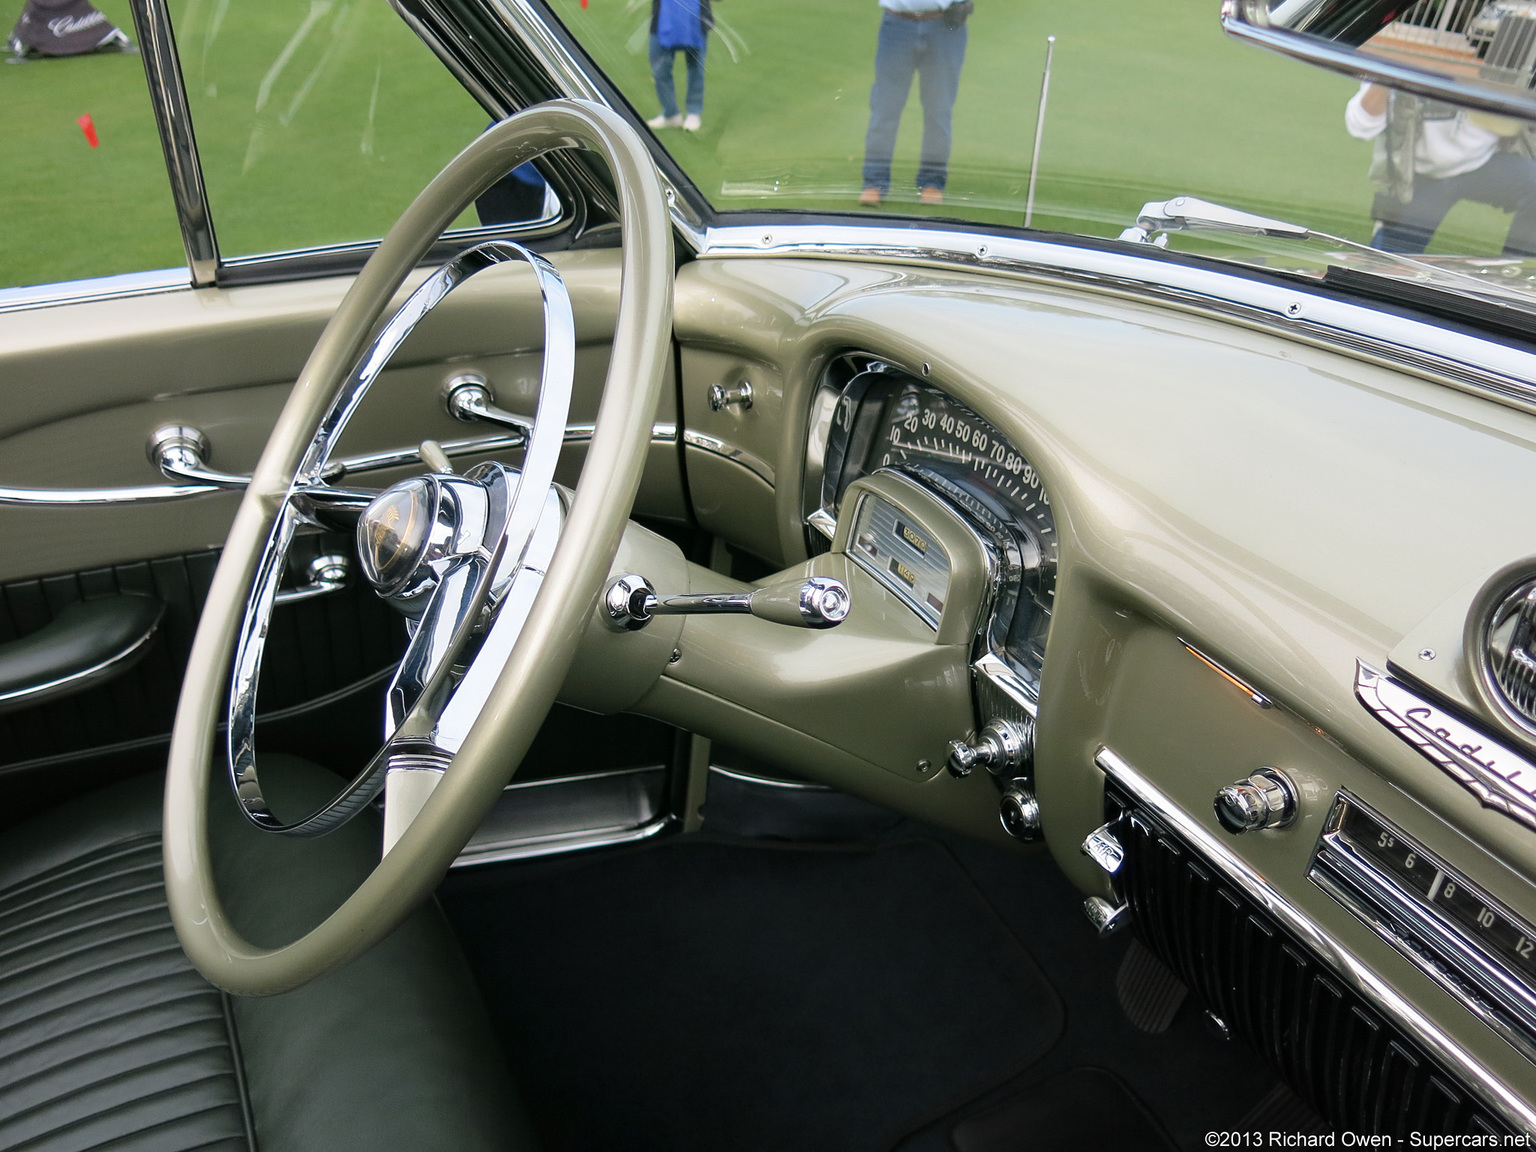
679, 26
925, 38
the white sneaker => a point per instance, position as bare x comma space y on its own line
691, 123
669, 121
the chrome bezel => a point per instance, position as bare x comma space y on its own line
1413, 925
1004, 689
1487, 614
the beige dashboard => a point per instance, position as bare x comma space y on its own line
1285, 509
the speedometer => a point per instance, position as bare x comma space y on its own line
875, 416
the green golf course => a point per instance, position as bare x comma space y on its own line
317, 120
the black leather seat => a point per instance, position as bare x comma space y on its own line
109, 1038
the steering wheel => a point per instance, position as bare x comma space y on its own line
499, 576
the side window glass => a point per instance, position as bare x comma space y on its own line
318, 121
85, 191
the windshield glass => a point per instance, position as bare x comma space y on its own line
934, 108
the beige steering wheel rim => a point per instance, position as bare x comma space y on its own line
529, 682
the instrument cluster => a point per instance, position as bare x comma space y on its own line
869, 415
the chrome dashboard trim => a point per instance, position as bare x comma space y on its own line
1498, 1095
1483, 766
714, 445
1471, 363
394, 458
768, 781
1226, 673
1001, 675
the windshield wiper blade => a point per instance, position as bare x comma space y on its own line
1157, 218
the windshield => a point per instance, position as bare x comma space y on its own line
941, 108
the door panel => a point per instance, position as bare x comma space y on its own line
82, 387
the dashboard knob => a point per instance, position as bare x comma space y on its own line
1003, 748
1267, 799
1019, 811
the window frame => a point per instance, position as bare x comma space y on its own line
207, 267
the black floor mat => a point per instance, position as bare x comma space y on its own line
739, 997
1084, 1108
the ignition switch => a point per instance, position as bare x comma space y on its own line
1003, 748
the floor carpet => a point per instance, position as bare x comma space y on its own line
701, 995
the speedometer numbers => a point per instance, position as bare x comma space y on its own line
879, 417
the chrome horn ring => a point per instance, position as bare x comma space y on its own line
487, 562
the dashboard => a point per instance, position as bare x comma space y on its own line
1205, 548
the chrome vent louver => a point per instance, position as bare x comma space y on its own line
1504, 652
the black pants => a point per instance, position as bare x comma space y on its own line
1507, 181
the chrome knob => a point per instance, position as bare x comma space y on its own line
721, 397
1002, 748
1020, 812
1103, 847
1267, 799
1106, 918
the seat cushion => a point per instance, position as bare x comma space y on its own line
110, 1039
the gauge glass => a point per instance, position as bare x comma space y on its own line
889, 419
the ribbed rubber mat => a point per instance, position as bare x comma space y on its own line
108, 1037
1149, 994
1282, 1110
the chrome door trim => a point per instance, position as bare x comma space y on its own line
394, 458
95, 288
1494, 1092
168, 95
1478, 365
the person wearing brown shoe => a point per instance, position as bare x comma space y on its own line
925, 38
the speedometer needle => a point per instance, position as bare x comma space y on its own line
960, 458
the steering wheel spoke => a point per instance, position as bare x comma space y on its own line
495, 570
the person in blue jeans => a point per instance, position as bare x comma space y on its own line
679, 26
925, 37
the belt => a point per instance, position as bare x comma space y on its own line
918, 16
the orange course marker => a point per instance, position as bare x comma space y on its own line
88, 126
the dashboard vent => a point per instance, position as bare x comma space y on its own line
1354, 1067
1508, 652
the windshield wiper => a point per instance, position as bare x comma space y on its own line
1191, 214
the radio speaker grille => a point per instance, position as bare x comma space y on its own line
1356, 1069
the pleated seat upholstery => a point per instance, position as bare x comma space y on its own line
109, 1039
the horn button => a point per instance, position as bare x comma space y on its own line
414, 530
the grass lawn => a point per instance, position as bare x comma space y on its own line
1147, 101
319, 119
